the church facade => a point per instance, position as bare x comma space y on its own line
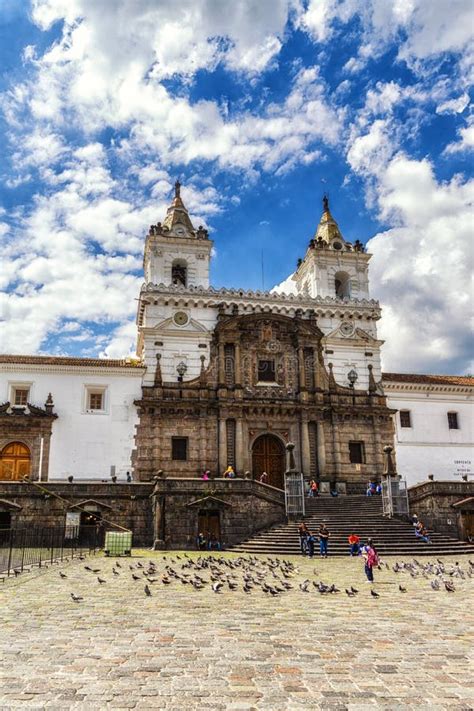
223, 377
232, 376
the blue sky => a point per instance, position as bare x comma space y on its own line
259, 107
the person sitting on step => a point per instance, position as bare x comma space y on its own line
354, 543
214, 543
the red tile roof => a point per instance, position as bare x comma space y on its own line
64, 360
428, 379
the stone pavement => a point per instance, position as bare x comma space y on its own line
188, 649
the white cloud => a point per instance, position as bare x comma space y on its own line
76, 256
453, 106
369, 153
107, 71
421, 268
466, 139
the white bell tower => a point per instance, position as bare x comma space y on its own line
333, 267
176, 253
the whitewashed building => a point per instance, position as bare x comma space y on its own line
434, 425
90, 433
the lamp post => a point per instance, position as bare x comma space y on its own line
181, 368
352, 378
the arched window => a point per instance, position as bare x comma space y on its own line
15, 462
342, 285
179, 272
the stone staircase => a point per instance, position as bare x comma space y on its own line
352, 514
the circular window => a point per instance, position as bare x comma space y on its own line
347, 329
337, 245
180, 318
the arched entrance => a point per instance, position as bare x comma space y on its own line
268, 455
15, 462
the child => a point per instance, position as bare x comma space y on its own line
371, 559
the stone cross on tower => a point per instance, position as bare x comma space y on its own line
177, 189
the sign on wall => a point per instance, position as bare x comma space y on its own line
463, 466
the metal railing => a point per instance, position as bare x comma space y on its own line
395, 497
294, 494
23, 548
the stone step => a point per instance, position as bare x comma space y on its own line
352, 514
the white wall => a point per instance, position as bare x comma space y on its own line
429, 446
84, 444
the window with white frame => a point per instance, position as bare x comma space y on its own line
96, 399
20, 394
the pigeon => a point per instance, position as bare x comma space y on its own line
62, 575
354, 590
350, 593
374, 594
115, 572
76, 598
449, 586
435, 584
135, 577
402, 589
101, 581
117, 565
247, 588
165, 581
304, 586
216, 587
86, 567
147, 591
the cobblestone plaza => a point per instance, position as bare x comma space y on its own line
183, 648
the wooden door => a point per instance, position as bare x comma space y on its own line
15, 462
209, 524
468, 525
268, 455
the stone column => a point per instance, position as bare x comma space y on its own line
247, 460
316, 369
159, 502
379, 457
301, 374
222, 446
221, 356
239, 446
321, 450
336, 447
203, 440
305, 448
237, 365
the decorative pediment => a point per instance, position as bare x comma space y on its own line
348, 331
168, 325
9, 506
208, 502
91, 502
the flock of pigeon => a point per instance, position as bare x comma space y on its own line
270, 576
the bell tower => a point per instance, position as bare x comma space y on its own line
332, 266
176, 254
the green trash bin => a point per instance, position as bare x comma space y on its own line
118, 543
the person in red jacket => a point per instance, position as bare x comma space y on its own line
354, 543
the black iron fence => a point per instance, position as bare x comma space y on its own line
23, 548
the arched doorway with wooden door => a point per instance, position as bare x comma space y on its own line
268, 455
15, 462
